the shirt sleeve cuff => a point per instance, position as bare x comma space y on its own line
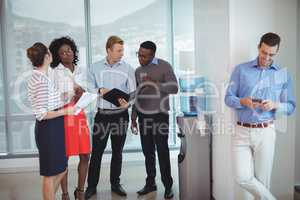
41, 115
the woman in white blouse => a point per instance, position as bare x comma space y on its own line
47, 105
66, 74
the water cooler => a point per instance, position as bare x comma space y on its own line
195, 157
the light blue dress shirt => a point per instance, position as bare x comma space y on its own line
271, 83
154, 61
103, 75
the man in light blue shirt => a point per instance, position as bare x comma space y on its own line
259, 91
107, 74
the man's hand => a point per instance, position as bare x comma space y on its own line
103, 91
123, 103
134, 127
268, 105
247, 101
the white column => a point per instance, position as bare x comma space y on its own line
227, 32
212, 55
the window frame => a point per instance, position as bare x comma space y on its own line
8, 117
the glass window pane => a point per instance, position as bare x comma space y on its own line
184, 59
130, 21
3, 139
183, 34
40, 26
23, 141
2, 110
27, 22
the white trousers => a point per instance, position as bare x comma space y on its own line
253, 152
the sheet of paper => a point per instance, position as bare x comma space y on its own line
84, 101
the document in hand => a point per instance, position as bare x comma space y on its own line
84, 101
113, 96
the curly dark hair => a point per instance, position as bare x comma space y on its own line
55, 46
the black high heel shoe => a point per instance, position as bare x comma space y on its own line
79, 194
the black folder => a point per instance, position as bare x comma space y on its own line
113, 95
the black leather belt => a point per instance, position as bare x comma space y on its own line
111, 111
256, 125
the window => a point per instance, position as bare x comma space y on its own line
24, 22
3, 139
130, 20
27, 22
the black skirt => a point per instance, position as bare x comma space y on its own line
50, 141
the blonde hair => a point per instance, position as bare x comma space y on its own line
113, 40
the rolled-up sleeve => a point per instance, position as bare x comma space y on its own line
287, 102
40, 104
231, 98
91, 81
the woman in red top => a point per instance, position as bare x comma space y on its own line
77, 137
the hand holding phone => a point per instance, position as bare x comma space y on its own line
268, 105
257, 100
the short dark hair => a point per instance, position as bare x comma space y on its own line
55, 46
36, 54
270, 39
149, 45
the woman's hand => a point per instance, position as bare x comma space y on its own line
78, 93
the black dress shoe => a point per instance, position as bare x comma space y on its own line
169, 193
118, 189
147, 189
90, 192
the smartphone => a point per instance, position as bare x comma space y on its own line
257, 100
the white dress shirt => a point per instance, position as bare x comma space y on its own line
65, 80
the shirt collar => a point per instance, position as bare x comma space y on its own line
254, 63
60, 66
109, 65
154, 61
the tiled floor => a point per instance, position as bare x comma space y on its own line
27, 185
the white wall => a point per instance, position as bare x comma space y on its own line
248, 21
212, 56
227, 33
